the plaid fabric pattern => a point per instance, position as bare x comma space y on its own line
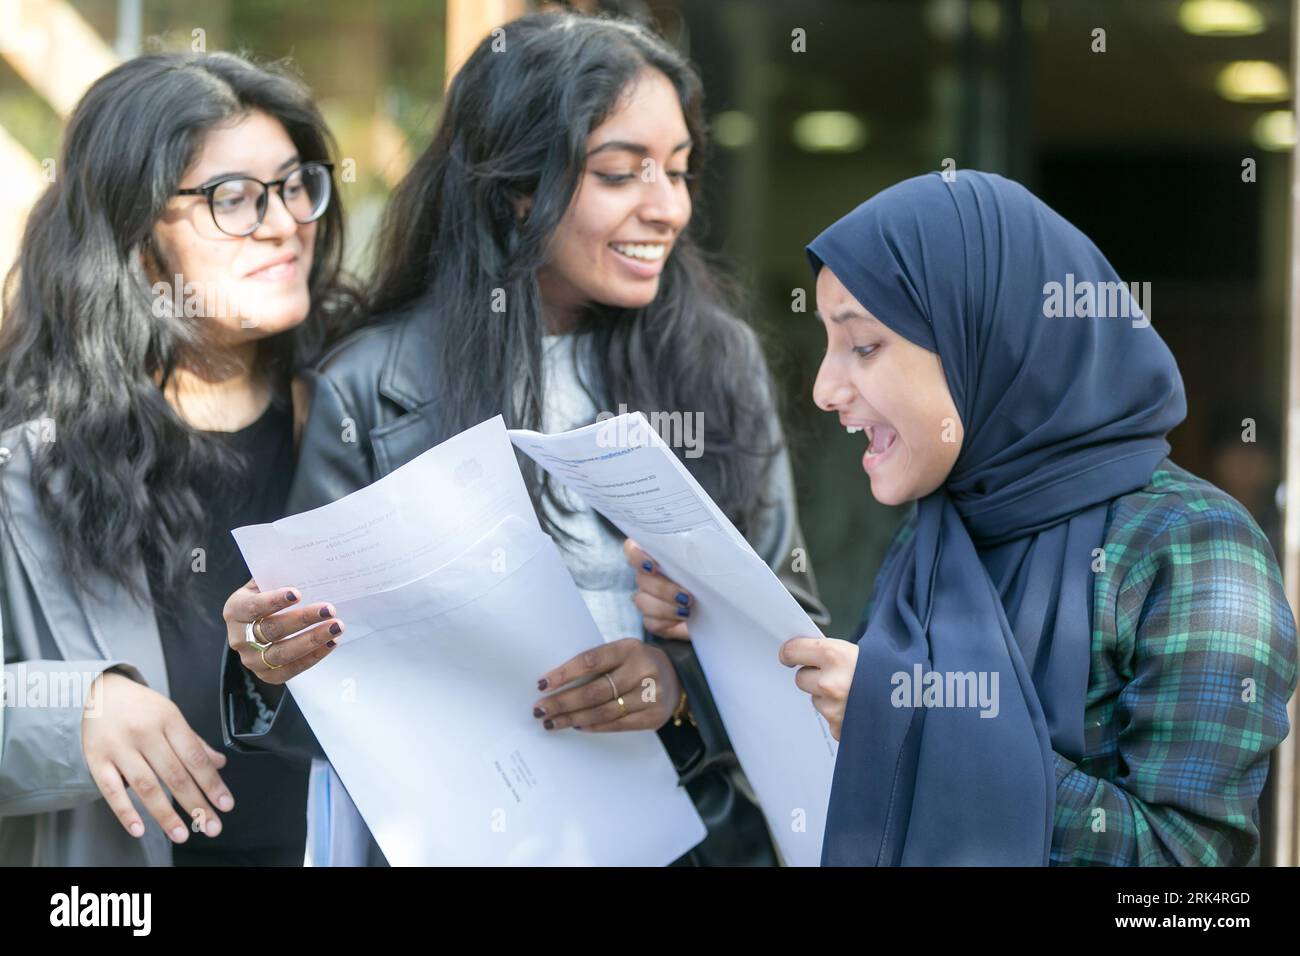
1193, 660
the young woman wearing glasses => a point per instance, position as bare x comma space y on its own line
180, 269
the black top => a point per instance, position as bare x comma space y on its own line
268, 825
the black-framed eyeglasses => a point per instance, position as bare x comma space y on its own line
238, 203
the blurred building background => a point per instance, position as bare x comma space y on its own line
1163, 128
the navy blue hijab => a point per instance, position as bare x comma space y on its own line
1061, 415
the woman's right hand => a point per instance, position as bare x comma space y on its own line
286, 658
135, 737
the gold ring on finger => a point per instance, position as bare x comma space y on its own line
269, 665
622, 707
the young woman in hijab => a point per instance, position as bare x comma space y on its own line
537, 263
1076, 652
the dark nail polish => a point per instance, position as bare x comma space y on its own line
291, 596
548, 724
538, 712
647, 566
683, 612
329, 644
335, 629
542, 684
576, 727
683, 598
326, 612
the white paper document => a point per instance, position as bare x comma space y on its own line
455, 603
741, 615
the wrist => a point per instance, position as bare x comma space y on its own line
94, 700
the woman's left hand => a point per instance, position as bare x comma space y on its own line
664, 604
826, 674
630, 669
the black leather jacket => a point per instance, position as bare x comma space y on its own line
373, 409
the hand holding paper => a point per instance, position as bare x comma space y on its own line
641, 680
741, 614
665, 604
456, 602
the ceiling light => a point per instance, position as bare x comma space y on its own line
1220, 18
1253, 81
1275, 131
829, 131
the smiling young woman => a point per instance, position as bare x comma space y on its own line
1127, 616
537, 263
169, 283
893, 390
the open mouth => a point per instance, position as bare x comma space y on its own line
881, 440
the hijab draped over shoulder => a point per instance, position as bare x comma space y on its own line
994, 590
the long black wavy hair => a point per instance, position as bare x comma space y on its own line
515, 124
80, 343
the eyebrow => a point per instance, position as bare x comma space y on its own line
847, 314
244, 175
639, 149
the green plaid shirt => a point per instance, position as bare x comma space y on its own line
1193, 662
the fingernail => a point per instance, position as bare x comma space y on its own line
683, 612
683, 597
542, 684
576, 727
213, 828
225, 802
647, 566
330, 644
548, 724
136, 829
178, 834
538, 712
335, 629
327, 611
291, 596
